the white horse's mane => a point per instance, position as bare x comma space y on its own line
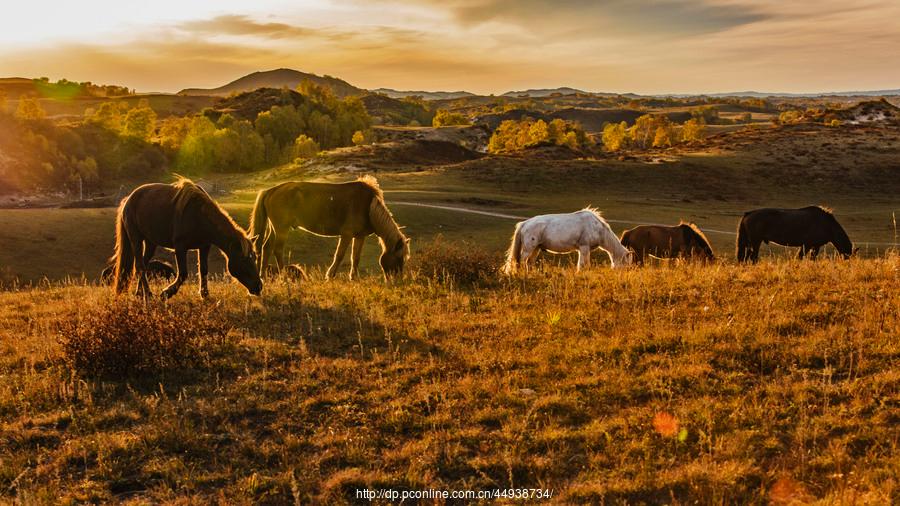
596, 212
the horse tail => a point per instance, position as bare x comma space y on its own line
259, 221
514, 255
124, 256
626, 239
743, 240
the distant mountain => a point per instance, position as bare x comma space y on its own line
279, 78
427, 95
760, 94
543, 92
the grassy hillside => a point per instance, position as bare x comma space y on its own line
720, 384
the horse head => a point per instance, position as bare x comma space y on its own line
242, 265
393, 257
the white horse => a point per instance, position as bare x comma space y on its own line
581, 231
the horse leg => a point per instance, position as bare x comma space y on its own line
355, 253
814, 252
149, 251
637, 256
278, 249
143, 288
801, 253
203, 268
754, 251
584, 258
339, 253
181, 267
529, 253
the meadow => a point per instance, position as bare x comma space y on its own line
676, 383
773, 383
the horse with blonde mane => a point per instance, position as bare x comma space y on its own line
581, 231
351, 211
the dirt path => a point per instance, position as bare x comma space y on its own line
516, 217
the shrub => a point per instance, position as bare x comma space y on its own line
458, 262
693, 130
444, 117
615, 135
304, 147
126, 337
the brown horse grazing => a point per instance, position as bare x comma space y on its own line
155, 269
682, 240
180, 216
810, 228
350, 211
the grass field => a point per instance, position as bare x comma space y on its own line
723, 384
675, 383
851, 169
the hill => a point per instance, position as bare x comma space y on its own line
427, 95
280, 78
14, 87
543, 92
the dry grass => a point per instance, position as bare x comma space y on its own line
678, 384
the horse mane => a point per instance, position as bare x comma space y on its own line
372, 183
697, 232
596, 212
824, 209
187, 191
382, 220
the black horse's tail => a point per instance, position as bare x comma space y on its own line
124, 256
743, 241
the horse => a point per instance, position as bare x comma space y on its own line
810, 228
179, 216
682, 240
351, 211
155, 269
581, 231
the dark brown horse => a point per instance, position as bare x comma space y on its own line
810, 228
683, 240
350, 211
180, 216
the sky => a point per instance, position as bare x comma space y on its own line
488, 46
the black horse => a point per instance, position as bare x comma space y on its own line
810, 228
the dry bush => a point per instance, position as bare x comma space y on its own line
126, 337
457, 262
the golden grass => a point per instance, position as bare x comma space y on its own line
679, 384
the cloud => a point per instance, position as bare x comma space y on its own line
598, 17
244, 25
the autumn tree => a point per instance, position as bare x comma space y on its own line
140, 121
693, 129
29, 109
444, 117
615, 135
305, 147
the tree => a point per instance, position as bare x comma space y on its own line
664, 136
29, 109
140, 122
304, 147
693, 130
538, 133
444, 117
614, 136
110, 115
361, 137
